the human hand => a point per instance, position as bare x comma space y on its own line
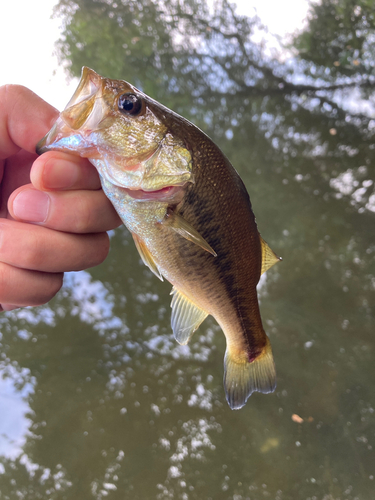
53, 214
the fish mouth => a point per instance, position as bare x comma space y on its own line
85, 108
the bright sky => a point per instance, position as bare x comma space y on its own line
28, 34
27, 37
281, 16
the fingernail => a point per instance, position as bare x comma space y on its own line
8, 307
31, 205
59, 174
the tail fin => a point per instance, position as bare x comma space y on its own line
242, 378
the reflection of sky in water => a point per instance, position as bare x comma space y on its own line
32, 315
91, 301
194, 440
346, 184
13, 409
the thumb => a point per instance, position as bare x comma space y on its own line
24, 119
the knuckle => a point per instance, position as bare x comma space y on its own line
83, 217
53, 284
33, 255
103, 247
48, 286
99, 246
11, 94
5, 279
11, 89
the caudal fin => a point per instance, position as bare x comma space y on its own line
242, 378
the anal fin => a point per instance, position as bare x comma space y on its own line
183, 228
186, 317
146, 256
269, 258
242, 378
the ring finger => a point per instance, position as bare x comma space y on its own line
38, 248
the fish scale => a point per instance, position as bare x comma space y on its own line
188, 211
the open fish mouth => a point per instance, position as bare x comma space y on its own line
83, 113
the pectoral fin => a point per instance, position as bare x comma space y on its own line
269, 258
186, 317
183, 228
146, 256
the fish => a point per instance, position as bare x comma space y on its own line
188, 211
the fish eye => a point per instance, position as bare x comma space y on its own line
130, 104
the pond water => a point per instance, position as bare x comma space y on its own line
97, 400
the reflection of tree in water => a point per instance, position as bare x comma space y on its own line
117, 404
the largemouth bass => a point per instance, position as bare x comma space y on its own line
188, 212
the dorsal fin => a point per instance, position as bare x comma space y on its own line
184, 229
147, 258
269, 258
186, 317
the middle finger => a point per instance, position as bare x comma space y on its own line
69, 211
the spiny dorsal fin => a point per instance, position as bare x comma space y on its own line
186, 317
269, 258
146, 256
242, 378
184, 229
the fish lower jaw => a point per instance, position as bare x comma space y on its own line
170, 194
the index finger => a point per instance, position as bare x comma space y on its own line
24, 119
57, 170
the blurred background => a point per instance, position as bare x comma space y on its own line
96, 398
